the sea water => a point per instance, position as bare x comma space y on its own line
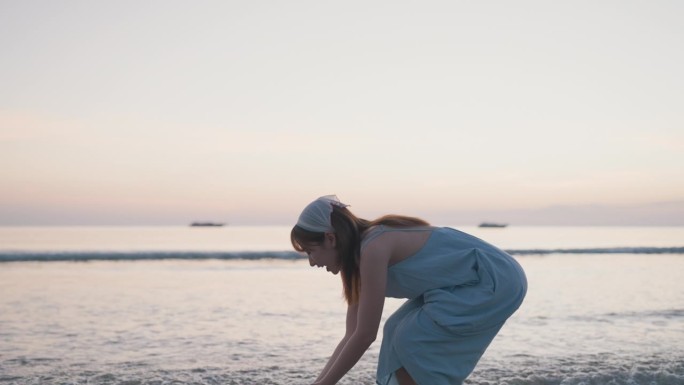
234, 305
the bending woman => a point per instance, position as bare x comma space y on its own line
460, 291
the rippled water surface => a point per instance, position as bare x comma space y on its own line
588, 319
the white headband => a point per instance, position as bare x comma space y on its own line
316, 216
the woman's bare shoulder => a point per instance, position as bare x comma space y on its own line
395, 246
377, 248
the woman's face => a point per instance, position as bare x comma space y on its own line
325, 254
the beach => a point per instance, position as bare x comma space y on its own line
156, 154
589, 318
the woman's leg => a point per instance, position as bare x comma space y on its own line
403, 377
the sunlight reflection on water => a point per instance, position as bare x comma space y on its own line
267, 321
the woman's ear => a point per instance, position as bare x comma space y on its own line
332, 238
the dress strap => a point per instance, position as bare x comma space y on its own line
372, 234
381, 229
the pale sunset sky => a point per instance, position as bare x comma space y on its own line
166, 112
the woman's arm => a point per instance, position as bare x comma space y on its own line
352, 311
373, 268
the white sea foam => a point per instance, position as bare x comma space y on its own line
604, 369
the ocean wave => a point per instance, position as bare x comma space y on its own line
141, 256
600, 369
50, 256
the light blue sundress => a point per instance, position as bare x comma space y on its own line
460, 291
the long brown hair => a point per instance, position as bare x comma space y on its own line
348, 230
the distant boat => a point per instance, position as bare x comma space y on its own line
490, 224
206, 224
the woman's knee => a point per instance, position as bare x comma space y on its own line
391, 324
400, 315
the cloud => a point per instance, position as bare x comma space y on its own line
20, 126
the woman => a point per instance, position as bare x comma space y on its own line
460, 291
